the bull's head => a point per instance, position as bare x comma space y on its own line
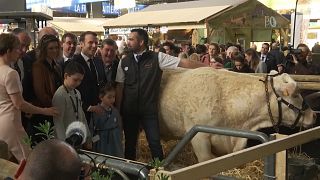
291, 108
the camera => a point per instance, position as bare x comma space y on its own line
292, 51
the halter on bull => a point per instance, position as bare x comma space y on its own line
299, 111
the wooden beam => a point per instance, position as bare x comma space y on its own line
229, 161
299, 78
281, 161
309, 85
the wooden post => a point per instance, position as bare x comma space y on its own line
281, 161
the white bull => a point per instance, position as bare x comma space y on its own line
220, 98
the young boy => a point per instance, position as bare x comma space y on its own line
105, 127
68, 101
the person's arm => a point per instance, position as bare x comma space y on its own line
26, 107
60, 103
185, 63
13, 88
120, 77
170, 62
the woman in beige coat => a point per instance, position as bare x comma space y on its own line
11, 100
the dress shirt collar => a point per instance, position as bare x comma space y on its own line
135, 55
65, 58
86, 58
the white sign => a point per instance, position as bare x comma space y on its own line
270, 22
43, 9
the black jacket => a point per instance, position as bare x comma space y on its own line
89, 87
142, 84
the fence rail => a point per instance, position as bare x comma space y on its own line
229, 161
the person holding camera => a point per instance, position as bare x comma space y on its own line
298, 64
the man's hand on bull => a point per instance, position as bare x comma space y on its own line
216, 65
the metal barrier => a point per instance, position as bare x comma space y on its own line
141, 170
269, 168
219, 164
137, 169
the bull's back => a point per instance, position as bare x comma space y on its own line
199, 96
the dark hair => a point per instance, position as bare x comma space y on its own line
83, 35
43, 44
216, 45
169, 44
74, 67
161, 49
305, 46
255, 60
109, 42
8, 42
222, 48
201, 49
267, 44
71, 36
239, 58
142, 35
17, 31
253, 53
107, 88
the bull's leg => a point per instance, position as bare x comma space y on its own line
202, 147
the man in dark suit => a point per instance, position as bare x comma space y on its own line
24, 67
277, 54
109, 58
68, 43
268, 58
94, 75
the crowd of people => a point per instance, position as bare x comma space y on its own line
107, 91
235, 58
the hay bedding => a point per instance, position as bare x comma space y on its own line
249, 171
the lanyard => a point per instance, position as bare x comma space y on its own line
75, 106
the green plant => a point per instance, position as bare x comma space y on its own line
98, 175
46, 130
156, 163
163, 176
28, 141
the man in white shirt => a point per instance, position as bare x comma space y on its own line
138, 78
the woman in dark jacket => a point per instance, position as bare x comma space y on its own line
47, 78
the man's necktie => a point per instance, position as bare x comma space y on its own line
93, 70
138, 57
16, 67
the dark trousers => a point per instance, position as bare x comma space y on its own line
150, 124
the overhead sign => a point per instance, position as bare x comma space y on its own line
79, 6
57, 3
108, 9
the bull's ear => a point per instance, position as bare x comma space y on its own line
288, 86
